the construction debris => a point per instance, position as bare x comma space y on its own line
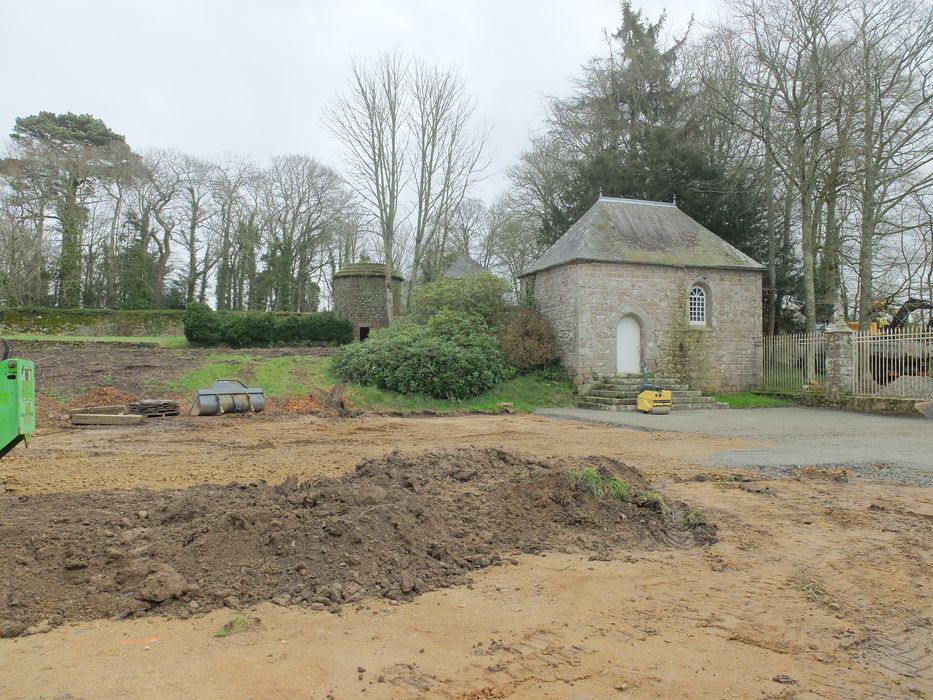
154, 408
115, 409
123, 414
105, 419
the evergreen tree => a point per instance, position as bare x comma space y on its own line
630, 131
76, 148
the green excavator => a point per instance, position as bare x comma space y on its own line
17, 400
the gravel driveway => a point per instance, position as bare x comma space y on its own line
896, 448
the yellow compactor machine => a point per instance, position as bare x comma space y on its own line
652, 398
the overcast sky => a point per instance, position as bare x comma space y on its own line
214, 76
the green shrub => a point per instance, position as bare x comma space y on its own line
244, 328
468, 330
482, 295
202, 325
527, 340
411, 359
445, 347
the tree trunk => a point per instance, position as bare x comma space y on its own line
40, 289
772, 245
390, 306
71, 216
192, 280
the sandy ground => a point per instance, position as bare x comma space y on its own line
817, 587
186, 452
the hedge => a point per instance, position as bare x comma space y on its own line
204, 326
92, 322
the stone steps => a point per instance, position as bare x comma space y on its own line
674, 406
619, 393
675, 393
631, 400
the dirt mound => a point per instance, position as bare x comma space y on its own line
398, 526
332, 404
103, 396
304, 404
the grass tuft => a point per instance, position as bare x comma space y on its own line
590, 480
618, 489
238, 624
811, 589
694, 520
655, 501
599, 487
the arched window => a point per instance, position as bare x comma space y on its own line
697, 307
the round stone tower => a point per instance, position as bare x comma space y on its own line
360, 296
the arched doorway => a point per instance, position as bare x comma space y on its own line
628, 345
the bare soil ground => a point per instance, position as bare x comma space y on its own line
397, 526
64, 371
818, 585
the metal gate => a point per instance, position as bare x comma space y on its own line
792, 362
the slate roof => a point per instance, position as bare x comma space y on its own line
464, 266
638, 231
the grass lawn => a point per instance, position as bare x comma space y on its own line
163, 341
749, 399
526, 393
301, 374
278, 376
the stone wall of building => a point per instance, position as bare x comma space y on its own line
360, 296
555, 293
723, 355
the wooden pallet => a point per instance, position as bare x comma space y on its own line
154, 408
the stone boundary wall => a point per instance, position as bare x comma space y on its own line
92, 322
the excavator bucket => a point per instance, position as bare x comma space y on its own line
228, 396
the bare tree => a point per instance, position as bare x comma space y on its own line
895, 83
195, 208
369, 122
233, 176
447, 155
301, 200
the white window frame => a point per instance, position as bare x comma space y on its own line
698, 306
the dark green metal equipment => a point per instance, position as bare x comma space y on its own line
17, 400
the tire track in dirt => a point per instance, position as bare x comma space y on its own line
845, 575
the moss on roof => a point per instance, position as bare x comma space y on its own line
366, 270
636, 231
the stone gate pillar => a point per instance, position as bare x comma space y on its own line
840, 361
